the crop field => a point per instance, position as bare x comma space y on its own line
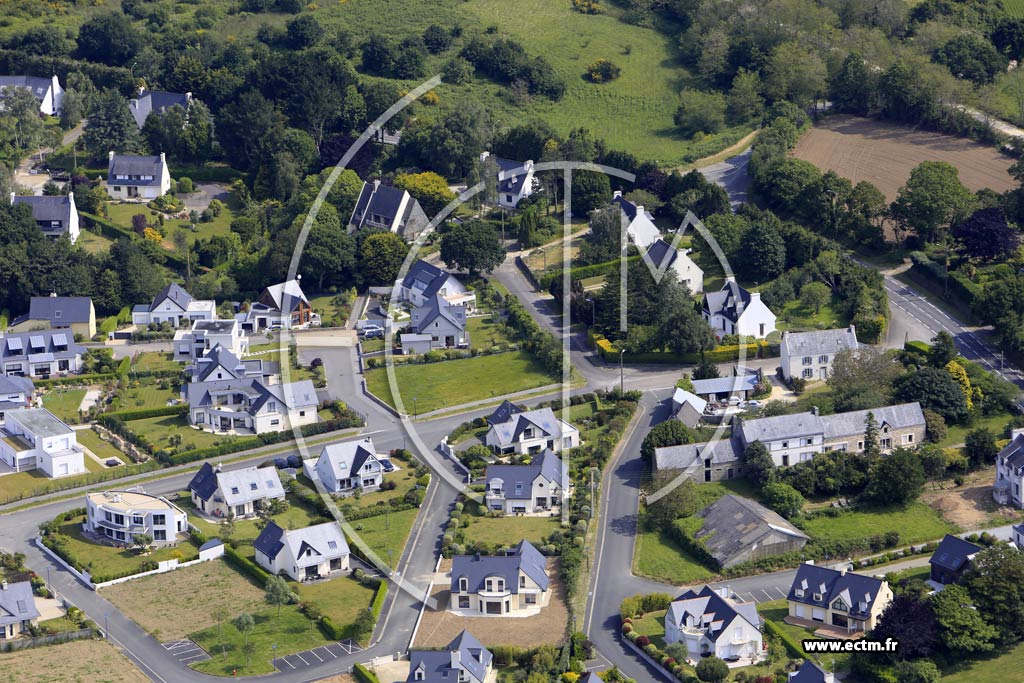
885, 153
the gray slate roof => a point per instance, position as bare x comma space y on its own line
820, 341
149, 101
437, 307
46, 210
17, 603
724, 303
545, 464
291, 395
238, 486
900, 416
953, 553
722, 452
504, 412
443, 666
348, 457
16, 385
176, 293
710, 609
476, 568
326, 541
219, 356
37, 85
133, 166
809, 672
721, 385
513, 183
60, 310
21, 345
732, 524
661, 254
766, 429
542, 418
858, 591
1013, 452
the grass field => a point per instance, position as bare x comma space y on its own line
485, 333
146, 396
341, 598
153, 361
93, 243
107, 560
510, 530
122, 214
95, 661
102, 449
660, 557
159, 429
796, 317
172, 605
958, 433
64, 402
295, 517
776, 611
1003, 666
386, 532
652, 625
449, 383
915, 524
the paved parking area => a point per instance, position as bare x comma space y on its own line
317, 655
186, 652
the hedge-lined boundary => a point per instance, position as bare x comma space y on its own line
142, 414
584, 272
795, 650
246, 566
75, 379
115, 232
722, 354
364, 675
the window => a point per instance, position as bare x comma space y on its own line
522, 582
272, 406
838, 605
117, 188
234, 490
808, 373
159, 520
418, 675
159, 535
908, 438
808, 360
253, 486
138, 519
860, 445
823, 359
798, 592
886, 443
274, 423
809, 441
302, 413
463, 586
333, 545
531, 598
785, 444
463, 602
817, 596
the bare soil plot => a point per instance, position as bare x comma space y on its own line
970, 506
439, 626
884, 154
80, 661
187, 600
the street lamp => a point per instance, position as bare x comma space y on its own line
622, 377
415, 413
274, 648
106, 626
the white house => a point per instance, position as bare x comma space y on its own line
219, 363
1010, 471
74, 313
121, 515
35, 439
280, 306
205, 335
515, 180
148, 102
443, 322
18, 612
250, 406
240, 492
734, 310
809, 355
516, 583
842, 600
537, 487
388, 208
307, 554
423, 281
531, 432
40, 354
16, 393
175, 306
464, 660
641, 228
662, 257
55, 216
711, 622
137, 178
345, 467
46, 90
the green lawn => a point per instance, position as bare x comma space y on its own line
341, 598
958, 433
485, 333
159, 429
1002, 666
64, 402
146, 396
372, 345
916, 524
777, 610
108, 560
500, 531
454, 382
297, 516
796, 317
121, 214
93, 243
152, 361
58, 625
658, 556
405, 480
33, 483
103, 449
652, 625
386, 532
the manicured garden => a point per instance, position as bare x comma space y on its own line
146, 395
342, 598
245, 531
153, 361
484, 333
159, 430
64, 402
103, 449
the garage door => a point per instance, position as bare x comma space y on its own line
818, 614
800, 611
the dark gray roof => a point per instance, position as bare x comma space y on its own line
212, 543
953, 553
809, 672
900, 416
215, 326
661, 253
766, 429
545, 464
381, 200
504, 412
15, 384
60, 310
21, 345
819, 341
219, 356
721, 385
438, 307
511, 184
590, 677
291, 395
270, 542
733, 524
724, 303
1013, 453
134, 166
443, 666
37, 85
709, 609
542, 418
425, 277
722, 452
175, 293
204, 482
476, 568
150, 101
48, 209
628, 207
858, 591
17, 603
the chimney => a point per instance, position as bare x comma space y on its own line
528, 164
755, 296
617, 194
814, 411
163, 158
376, 184
3, 584
142, 90
53, 295
842, 572
484, 155
110, 156
13, 195
217, 467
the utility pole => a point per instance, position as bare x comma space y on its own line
622, 376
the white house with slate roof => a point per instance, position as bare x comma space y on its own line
711, 622
537, 487
35, 438
388, 208
249, 405
515, 180
75, 313
464, 660
46, 90
531, 432
809, 355
40, 354
740, 312
444, 323
841, 600
15, 393
156, 102
240, 492
641, 228
175, 306
55, 216
1010, 471
206, 335
423, 281
662, 257
18, 609
345, 467
809, 672
497, 585
280, 306
307, 554
137, 178
221, 364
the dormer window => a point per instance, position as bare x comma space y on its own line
253, 486
419, 674
798, 592
234, 490
463, 585
817, 597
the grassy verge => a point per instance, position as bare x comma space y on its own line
386, 532
160, 429
652, 625
916, 523
658, 556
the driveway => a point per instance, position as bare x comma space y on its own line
204, 193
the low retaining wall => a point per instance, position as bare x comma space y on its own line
63, 637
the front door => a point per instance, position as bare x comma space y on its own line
132, 191
494, 608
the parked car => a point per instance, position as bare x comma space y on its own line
387, 466
734, 400
375, 333
753, 404
370, 328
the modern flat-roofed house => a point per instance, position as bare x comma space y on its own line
46, 90
515, 180
737, 312
382, 207
40, 354
350, 465
175, 306
1010, 471
951, 559
55, 216
840, 599
206, 335
18, 610
809, 355
640, 223
687, 407
738, 530
531, 432
35, 438
219, 363
711, 622
137, 178
148, 102
423, 281
307, 554
280, 306
536, 487
444, 323
497, 585
15, 393
250, 406
663, 257
241, 492
464, 660
75, 313
121, 515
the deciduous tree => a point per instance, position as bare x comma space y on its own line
473, 245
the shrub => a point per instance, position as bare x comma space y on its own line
184, 185
603, 71
643, 641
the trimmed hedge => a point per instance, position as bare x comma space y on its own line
115, 232
207, 174
584, 272
93, 378
928, 272
246, 566
793, 648
378, 599
364, 675
142, 414
722, 354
